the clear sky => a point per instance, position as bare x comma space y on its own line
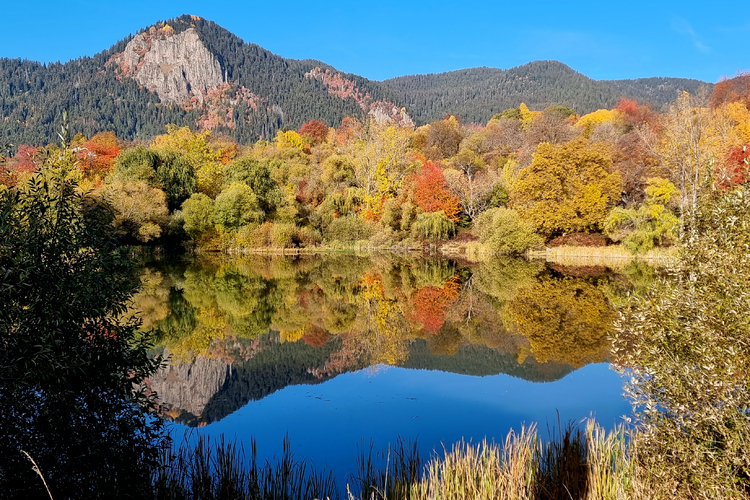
379, 40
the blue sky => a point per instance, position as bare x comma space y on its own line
378, 40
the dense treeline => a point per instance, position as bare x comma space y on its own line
526, 177
477, 94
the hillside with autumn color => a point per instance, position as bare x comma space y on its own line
191, 72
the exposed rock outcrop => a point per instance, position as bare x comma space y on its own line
190, 386
344, 88
178, 67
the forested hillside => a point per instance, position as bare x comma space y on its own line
260, 92
192, 72
477, 94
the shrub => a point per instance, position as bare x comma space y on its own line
197, 211
283, 234
503, 232
349, 228
433, 226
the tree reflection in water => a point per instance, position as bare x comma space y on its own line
332, 315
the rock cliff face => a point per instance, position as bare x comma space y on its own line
179, 68
190, 386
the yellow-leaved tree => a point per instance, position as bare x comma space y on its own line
196, 150
567, 187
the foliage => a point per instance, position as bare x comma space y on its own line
684, 344
566, 320
347, 229
431, 192
198, 213
589, 122
256, 174
503, 232
433, 226
166, 170
236, 206
71, 373
140, 211
650, 225
567, 187
97, 155
315, 130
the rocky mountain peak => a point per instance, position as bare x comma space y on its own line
178, 67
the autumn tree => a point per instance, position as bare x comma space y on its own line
567, 187
165, 169
471, 181
431, 192
735, 168
205, 160
140, 210
97, 155
687, 147
443, 138
315, 130
728, 90
652, 224
552, 125
380, 162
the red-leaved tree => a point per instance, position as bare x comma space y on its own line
432, 194
97, 156
315, 130
736, 168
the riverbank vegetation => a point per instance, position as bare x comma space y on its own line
519, 182
74, 368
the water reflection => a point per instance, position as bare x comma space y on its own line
239, 329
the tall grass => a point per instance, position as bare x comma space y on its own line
574, 464
220, 470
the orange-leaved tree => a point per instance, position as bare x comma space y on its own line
432, 194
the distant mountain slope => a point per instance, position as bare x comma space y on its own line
190, 71
187, 71
477, 94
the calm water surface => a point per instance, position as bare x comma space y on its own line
336, 352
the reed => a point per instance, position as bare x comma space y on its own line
220, 470
588, 464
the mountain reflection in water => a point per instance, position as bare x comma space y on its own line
239, 329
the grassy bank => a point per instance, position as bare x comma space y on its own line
611, 256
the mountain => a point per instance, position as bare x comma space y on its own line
187, 71
190, 71
477, 94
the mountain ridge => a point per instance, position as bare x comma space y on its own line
241, 90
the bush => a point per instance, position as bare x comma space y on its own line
198, 214
347, 229
433, 226
72, 372
283, 235
237, 206
503, 232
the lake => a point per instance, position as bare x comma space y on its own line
341, 351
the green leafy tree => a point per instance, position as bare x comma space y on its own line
650, 225
198, 214
71, 373
236, 206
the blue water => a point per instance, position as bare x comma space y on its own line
327, 423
